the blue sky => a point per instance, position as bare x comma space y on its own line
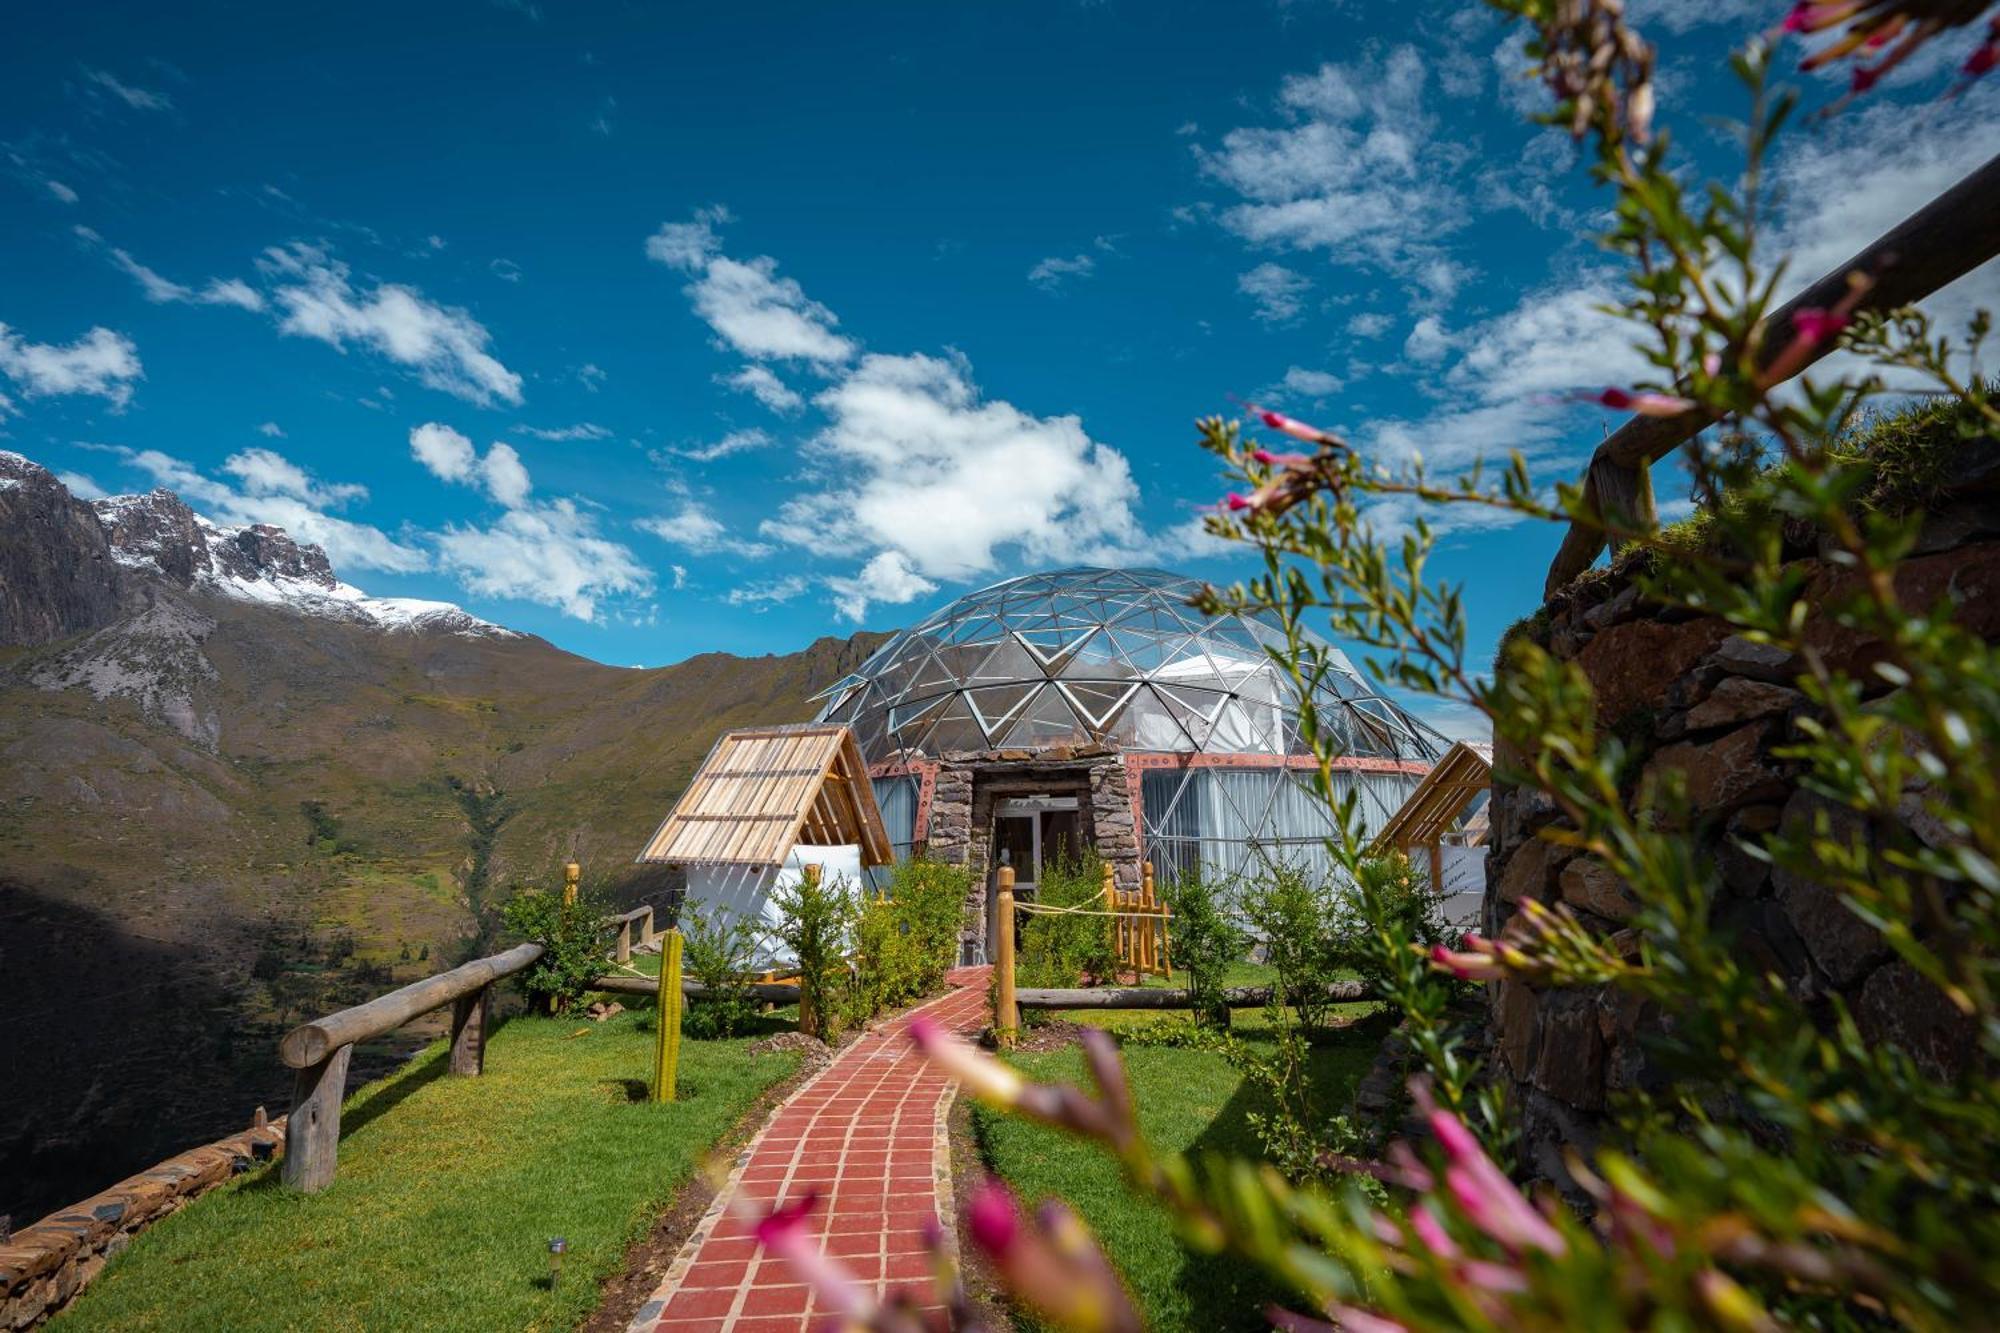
656, 330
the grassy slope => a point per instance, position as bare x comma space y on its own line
1189, 1101
441, 1214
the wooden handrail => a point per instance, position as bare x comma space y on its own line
1939, 243
765, 992
321, 1050
1169, 997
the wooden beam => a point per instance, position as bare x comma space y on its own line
1936, 245
1163, 997
311, 1044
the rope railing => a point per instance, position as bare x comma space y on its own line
1942, 241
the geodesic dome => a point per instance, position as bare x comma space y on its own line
1117, 656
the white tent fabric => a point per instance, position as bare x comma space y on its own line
749, 893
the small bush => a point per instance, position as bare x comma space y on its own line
1300, 924
884, 969
1205, 940
1062, 950
716, 951
572, 940
817, 925
929, 897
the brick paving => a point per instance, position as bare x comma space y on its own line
867, 1133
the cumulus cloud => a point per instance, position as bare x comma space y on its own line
1278, 292
445, 346
765, 595
918, 463
1315, 384
162, 290
82, 486
549, 553
693, 528
271, 489
450, 456
102, 364
888, 578
763, 384
1369, 324
752, 309
1356, 169
1428, 342
272, 429
1050, 274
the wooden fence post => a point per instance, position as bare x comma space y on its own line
667, 1060
646, 935
312, 1134
1150, 951
571, 874
1006, 1017
1111, 904
622, 952
1166, 952
469, 1017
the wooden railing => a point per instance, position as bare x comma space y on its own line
1939, 243
1139, 930
320, 1052
642, 916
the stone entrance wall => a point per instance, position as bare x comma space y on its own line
1690, 696
959, 827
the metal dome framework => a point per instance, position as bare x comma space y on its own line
1209, 722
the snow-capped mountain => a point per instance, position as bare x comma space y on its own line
157, 536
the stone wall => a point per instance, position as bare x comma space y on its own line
43, 1267
958, 828
1692, 697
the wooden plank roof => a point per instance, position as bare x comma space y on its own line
764, 790
1453, 783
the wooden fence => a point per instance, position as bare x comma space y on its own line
320, 1052
1139, 928
1942, 241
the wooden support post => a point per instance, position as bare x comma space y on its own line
646, 935
469, 1017
1006, 1017
1437, 869
1166, 953
1153, 919
1111, 904
667, 1060
622, 953
571, 874
312, 1134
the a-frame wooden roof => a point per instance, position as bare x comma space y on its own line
763, 790
1453, 783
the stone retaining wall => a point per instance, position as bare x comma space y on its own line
1690, 696
43, 1267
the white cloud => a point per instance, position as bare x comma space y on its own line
61, 191
162, 290
763, 384
680, 576
751, 308
736, 442
450, 456
1428, 342
1278, 292
591, 376
548, 553
106, 84
1356, 169
766, 595
694, 529
444, 345
888, 579
1369, 324
917, 463
585, 430
1050, 274
1314, 384
272, 429
278, 492
101, 363
81, 486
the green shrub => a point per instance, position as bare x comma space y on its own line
716, 951
817, 924
930, 908
1063, 950
572, 940
1301, 925
1205, 939
883, 969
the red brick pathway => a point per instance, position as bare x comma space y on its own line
867, 1134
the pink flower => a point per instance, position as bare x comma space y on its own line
991, 1218
1478, 961
1645, 404
783, 1231
1236, 502
1432, 1233
1269, 459
1815, 325
1985, 55
1864, 79
1483, 1192
981, 1075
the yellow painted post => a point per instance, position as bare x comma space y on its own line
1149, 960
1166, 966
571, 874
667, 1061
1006, 1014
1111, 904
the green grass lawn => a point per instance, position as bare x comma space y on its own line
1189, 1101
448, 1192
